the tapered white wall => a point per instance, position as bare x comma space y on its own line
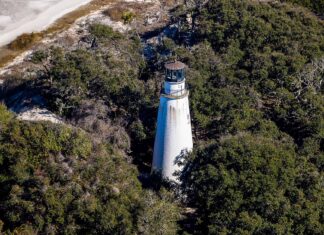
173, 133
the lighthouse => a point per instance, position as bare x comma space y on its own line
173, 135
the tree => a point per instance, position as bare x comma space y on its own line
159, 214
56, 180
250, 184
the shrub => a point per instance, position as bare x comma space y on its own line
55, 180
128, 17
103, 31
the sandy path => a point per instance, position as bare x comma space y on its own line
39, 21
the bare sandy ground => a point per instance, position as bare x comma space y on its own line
36, 111
18, 17
78, 25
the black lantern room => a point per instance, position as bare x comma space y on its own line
174, 71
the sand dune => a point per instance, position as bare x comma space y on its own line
18, 17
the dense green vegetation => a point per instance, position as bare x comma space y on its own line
54, 180
256, 75
104, 91
254, 184
262, 62
315, 5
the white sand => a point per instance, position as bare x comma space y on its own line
18, 17
39, 114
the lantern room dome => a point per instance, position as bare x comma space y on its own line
174, 65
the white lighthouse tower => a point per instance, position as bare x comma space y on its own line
173, 135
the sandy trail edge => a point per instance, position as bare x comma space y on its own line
42, 20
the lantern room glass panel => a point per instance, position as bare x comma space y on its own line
175, 75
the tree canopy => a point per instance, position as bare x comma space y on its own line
255, 74
55, 180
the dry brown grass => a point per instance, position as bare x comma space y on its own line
115, 13
24, 41
170, 3
6, 56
